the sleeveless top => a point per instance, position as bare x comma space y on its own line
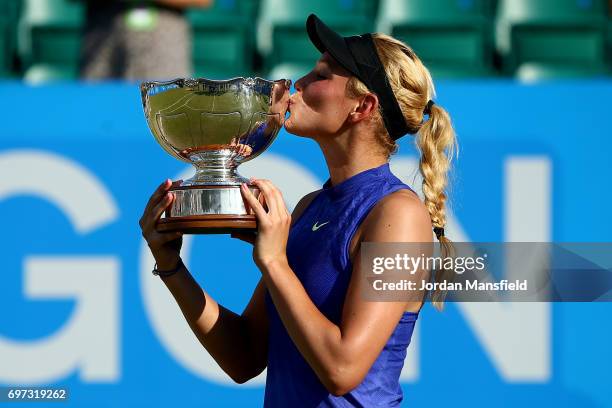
318, 253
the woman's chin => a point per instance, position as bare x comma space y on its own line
289, 126
294, 129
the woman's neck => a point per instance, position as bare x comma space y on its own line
348, 156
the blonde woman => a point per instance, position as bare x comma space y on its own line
323, 344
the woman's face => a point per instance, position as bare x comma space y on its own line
319, 106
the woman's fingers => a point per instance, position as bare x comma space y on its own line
151, 212
155, 198
252, 201
278, 198
262, 199
270, 194
158, 193
159, 209
152, 215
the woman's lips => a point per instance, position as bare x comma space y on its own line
290, 102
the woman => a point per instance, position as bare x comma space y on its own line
322, 343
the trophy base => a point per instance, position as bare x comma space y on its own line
208, 209
208, 224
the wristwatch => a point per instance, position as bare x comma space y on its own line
165, 274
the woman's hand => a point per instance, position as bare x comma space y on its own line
273, 224
165, 246
248, 236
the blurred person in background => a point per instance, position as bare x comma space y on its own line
323, 343
137, 40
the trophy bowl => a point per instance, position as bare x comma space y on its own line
214, 125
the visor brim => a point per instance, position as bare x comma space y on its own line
326, 39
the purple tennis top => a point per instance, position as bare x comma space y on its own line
318, 253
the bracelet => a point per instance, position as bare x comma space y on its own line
165, 274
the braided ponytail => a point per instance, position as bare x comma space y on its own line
436, 142
413, 89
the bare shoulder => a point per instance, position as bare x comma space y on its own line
303, 204
399, 216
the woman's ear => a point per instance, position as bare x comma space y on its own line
366, 108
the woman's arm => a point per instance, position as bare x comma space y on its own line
238, 343
341, 355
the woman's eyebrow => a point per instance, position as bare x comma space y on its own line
332, 66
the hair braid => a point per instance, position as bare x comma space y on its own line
413, 88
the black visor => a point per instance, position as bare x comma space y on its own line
357, 54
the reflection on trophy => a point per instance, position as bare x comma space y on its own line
216, 126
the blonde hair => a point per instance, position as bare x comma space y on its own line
413, 88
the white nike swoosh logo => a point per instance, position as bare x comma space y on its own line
316, 227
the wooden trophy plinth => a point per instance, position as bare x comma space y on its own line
208, 224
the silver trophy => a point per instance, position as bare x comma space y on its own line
216, 126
